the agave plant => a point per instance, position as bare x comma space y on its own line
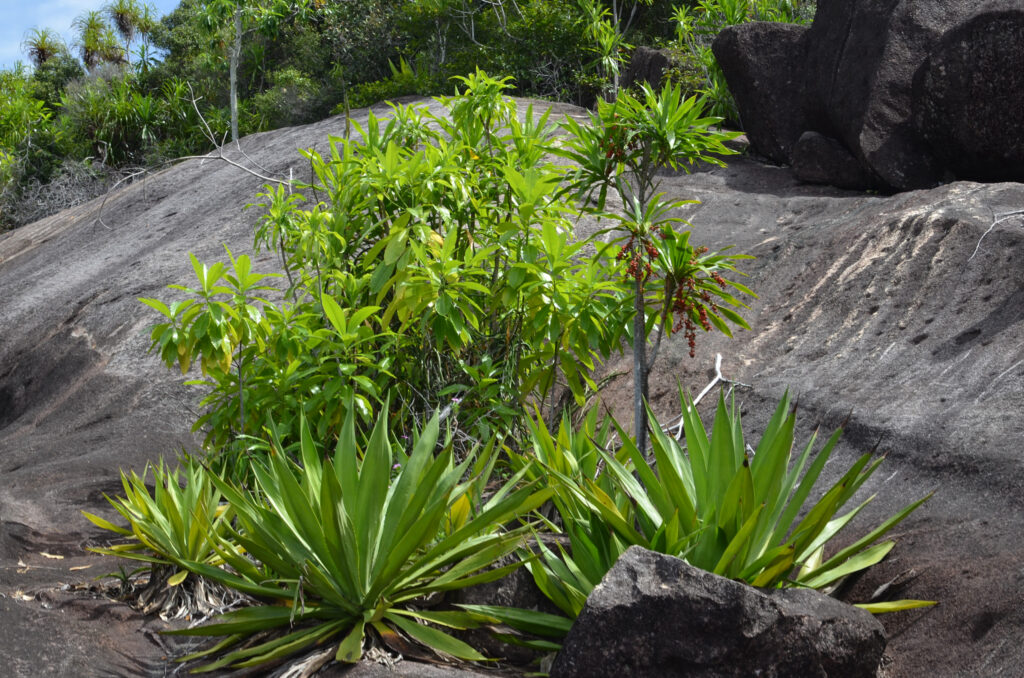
358, 542
174, 524
742, 516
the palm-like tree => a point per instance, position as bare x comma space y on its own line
41, 45
96, 41
129, 19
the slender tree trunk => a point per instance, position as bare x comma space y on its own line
639, 367
233, 57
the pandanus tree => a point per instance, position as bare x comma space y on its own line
41, 45
130, 19
96, 41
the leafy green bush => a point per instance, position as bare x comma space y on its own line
288, 100
440, 267
404, 81
106, 117
28, 141
174, 524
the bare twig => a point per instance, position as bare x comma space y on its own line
700, 396
996, 218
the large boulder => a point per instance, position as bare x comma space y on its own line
969, 97
646, 66
655, 615
861, 60
766, 57
917, 92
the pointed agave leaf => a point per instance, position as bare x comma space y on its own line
872, 535
895, 605
740, 544
530, 621
823, 577
796, 501
439, 641
350, 649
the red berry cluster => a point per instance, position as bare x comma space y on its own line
682, 306
639, 256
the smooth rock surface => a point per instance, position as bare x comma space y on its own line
655, 615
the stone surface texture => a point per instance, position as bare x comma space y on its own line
818, 159
767, 57
655, 615
970, 95
646, 65
918, 92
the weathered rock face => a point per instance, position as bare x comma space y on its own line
969, 96
860, 62
654, 615
818, 159
767, 57
647, 65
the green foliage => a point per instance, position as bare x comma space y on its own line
440, 267
290, 97
172, 525
28, 140
343, 549
742, 515
404, 81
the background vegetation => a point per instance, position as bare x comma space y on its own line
129, 91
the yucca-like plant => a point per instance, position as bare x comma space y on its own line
175, 524
357, 542
746, 517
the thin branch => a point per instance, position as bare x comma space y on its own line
700, 396
996, 218
219, 150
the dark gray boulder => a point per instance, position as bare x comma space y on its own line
763, 64
818, 159
647, 65
969, 98
919, 93
655, 615
862, 57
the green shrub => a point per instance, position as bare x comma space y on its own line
404, 81
440, 267
172, 525
289, 100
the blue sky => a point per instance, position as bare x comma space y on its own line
17, 17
